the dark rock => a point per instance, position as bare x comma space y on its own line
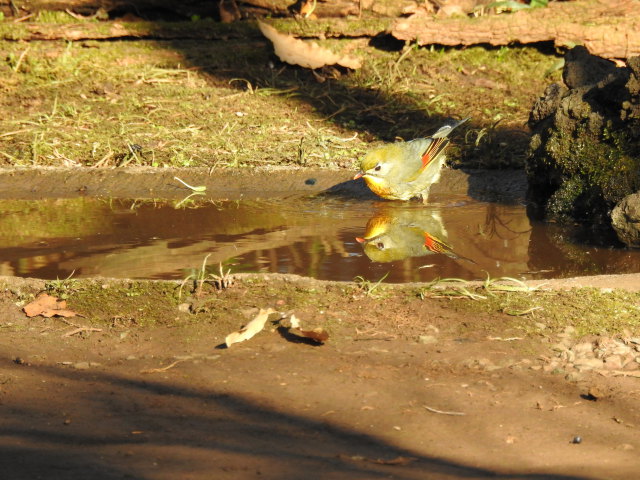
583, 69
546, 105
584, 154
625, 219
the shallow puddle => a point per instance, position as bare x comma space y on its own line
321, 237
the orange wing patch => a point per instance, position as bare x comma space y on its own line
435, 245
434, 149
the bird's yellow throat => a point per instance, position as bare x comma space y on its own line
379, 186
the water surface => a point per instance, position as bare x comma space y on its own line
321, 237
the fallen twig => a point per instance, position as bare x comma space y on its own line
163, 369
625, 373
71, 324
22, 19
441, 412
398, 461
80, 330
20, 58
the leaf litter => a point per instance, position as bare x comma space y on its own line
48, 306
318, 335
251, 329
306, 54
292, 326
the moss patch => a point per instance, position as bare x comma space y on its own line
338, 306
598, 171
589, 310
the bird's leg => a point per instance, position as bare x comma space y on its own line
425, 195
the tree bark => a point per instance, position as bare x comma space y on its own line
89, 7
610, 29
210, 8
185, 30
607, 28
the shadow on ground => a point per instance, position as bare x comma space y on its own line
377, 109
108, 426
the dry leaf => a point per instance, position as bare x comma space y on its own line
460, 8
306, 54
250, 329
307, 8
318, 335
229, 11
295, 321
48, 306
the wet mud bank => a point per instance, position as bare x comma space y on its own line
141, 182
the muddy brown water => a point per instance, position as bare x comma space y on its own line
473, 228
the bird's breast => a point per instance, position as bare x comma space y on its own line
379, 186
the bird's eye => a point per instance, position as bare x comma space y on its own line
378, 167
380, 245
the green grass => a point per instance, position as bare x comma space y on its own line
589, 310
188, 103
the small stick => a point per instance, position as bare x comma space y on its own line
77, 16
20, 58
62, 319
22, 19
8, 134
81, 329
625, 373
163, 369
104, 159
442, 412
192, 188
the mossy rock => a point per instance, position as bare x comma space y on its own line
584, 154
626, 220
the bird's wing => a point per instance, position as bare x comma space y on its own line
433, 149
439, 142
436, 245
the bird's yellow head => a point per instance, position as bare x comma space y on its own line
377, 225
375, 168
377, 245
379, 162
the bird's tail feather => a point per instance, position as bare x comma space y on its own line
447, 129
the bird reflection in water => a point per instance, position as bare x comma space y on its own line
399, 232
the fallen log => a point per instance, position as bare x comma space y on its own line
171, 10
609, 29
203, 30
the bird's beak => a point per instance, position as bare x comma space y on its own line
360, 240
358, 175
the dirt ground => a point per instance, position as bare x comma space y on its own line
413, 382
405, 388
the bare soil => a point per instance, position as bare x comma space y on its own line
268, 182
404, 388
